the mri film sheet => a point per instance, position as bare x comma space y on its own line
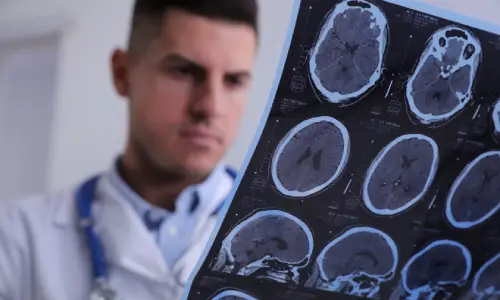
375, 173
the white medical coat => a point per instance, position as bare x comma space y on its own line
44, 255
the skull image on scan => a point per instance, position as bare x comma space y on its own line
310, 157
401, 174
269, 244
356, 263
436, 271
486, 283
347, 58
232, 295
475, 195
442, 82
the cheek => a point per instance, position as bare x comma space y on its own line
175, 91
234, 118
161, 101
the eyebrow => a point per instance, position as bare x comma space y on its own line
179, 59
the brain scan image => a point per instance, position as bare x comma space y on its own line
356, 263
310, 157
496, 119
269, 244
233, 295
475, 195
487, 280
400, 174
347, 58
437, 270
441, 84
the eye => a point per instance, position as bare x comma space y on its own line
234, 81
186, 72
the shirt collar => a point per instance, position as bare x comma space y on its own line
184, 203
206, 188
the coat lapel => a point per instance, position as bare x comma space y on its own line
203, 232
125, 239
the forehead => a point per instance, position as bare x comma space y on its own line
211, 43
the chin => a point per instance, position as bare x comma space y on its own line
199, 166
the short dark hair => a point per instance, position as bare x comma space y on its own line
148, 15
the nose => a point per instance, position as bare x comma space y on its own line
208, 98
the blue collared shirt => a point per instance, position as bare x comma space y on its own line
173, 230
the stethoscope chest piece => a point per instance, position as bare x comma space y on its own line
101, 294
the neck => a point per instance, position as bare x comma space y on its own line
155, 185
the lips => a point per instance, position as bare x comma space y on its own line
200, 136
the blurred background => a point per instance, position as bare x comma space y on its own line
60, 119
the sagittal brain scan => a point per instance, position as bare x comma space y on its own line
310, 157
269, 244
437, 270
356, 263
475, 195
347, 58
496, 119
233, 295
487, 280
441, 84
400, 174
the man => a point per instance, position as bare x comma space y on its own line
137, 230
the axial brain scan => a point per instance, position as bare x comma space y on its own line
310, 157
401, 174
487, 280
475, 195
269, 244
435, 271
356, 263
233, 295
347, 58
441, 84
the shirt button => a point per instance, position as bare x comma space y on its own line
172, 230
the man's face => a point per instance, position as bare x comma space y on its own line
188, 90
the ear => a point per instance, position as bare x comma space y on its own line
120, 69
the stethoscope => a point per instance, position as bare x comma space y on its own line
84, 197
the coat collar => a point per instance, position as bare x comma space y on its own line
204, 192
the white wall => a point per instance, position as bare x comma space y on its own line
89, 120
89, 127
27, 83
